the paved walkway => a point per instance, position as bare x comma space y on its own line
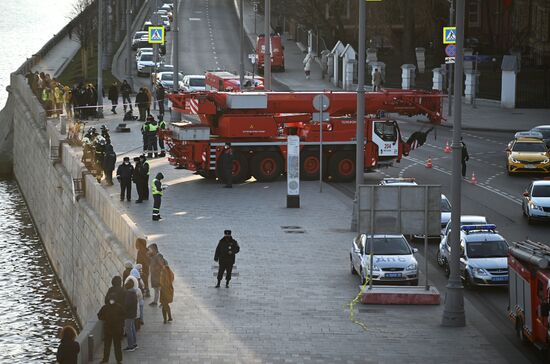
55, 61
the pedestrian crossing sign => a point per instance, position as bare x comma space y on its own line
156, 35
449, 35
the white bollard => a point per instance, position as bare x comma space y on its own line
407, 76
470, 86
510, 68
420, 59
348, 74
438, 78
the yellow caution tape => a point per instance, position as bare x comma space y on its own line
352, 304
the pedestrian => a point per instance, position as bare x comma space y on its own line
67, 101
99, 154
225, 256
113, 96
162, 126
376, 80
139, 295
151, 130
68, 349
109, 160
112, 315
124, 175
166, 290
308, 60
149, 100
144, 136
464, 157
46, 92
145, 170
143, 259
128, 266
141, 104
131, 305
116, 290
156, 260
226, 166
57, 98
125, 91
156, 190
160, 98
136, 177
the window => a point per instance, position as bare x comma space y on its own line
474, 13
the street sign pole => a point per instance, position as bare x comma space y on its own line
241, 15
451, 66
474, 91
174, 114
129, 43
453, 314
100, 59
267, 46
321, 146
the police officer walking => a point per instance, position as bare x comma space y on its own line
225, 255
124, 174
156, 190
465, 157
226, 165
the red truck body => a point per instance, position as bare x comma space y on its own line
277, 52
227, 81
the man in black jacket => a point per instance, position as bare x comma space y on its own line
112, 315
116, 291
464, 157
124, 175
108, 163
225, 255
126, 90
141, 103
130, 315
113, 96
226, 165
160, 98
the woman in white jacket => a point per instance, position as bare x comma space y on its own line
139, 294
308, 60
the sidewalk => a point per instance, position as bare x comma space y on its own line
58, 57
286, 303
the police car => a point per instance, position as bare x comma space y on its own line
445, 233
393, 259
483, 256
536, 201
527, 153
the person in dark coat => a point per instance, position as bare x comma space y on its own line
144, 177
141, 104
124, 175
130, 315
108, 164
156, 260
166, 290
464, 157
113, 96
226, 165
160, 97
125, 91
143, 259
116, 290
225, 255
112, 315
68, 349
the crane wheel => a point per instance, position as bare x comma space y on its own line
266, 166
309, 165
240, 171
342, 166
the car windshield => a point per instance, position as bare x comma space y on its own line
138, 35
147, 57
386, 131
487, 249
167, 77
197, 82
388, 246
545, 132
529, 147
541, 191
445, 205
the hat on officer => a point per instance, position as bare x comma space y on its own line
227, 232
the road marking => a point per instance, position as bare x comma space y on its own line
194, 19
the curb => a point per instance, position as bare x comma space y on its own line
470, 128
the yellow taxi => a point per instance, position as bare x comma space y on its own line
527, 153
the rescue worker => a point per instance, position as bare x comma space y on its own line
156, 190
151, 129
124, 174
464, 157
68, 101
136, 177
141, 104
126, 90
113, 96
162, 126
108, 164
99, 148
225, 256
226, 165
105, 134
160, 98
57, 98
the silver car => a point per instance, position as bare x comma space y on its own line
393, 259
536, 201
442, 256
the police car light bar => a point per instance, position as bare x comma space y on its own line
528, 134
468, 228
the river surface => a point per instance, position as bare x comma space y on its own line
32, 307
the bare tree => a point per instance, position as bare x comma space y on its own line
85, 30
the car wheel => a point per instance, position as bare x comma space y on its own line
353, 271
440, 259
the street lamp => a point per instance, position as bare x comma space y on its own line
99, 59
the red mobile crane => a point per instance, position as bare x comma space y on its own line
257, 124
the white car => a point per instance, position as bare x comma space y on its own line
536, 201
143, 50
442, 251
145, 64
393, 259
166, 79
194, 83
137, 38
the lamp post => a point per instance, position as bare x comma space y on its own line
453, 314
129, 13
451, 66
99, 59
175, 116
267, 46
241, 72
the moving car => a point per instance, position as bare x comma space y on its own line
393, 259
145, 64
193, 83
143, 50
166, 79
137, 39
536, 201
545, 131
442, 256
527, 153
166, 22
483, 256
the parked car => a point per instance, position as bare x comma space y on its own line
193, 83
483, 256
545, 131
393, 259
166, 79
464, 220
536, 201
527, 153
137, 38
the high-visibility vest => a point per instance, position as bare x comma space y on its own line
162, 125
45, 95
154, 189
153, 128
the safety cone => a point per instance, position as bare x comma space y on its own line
473, 180
429, 163
447, 148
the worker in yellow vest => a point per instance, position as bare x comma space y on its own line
156, 190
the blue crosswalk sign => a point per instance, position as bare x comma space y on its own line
156, 35
449, 35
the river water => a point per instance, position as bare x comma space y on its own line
32, 307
